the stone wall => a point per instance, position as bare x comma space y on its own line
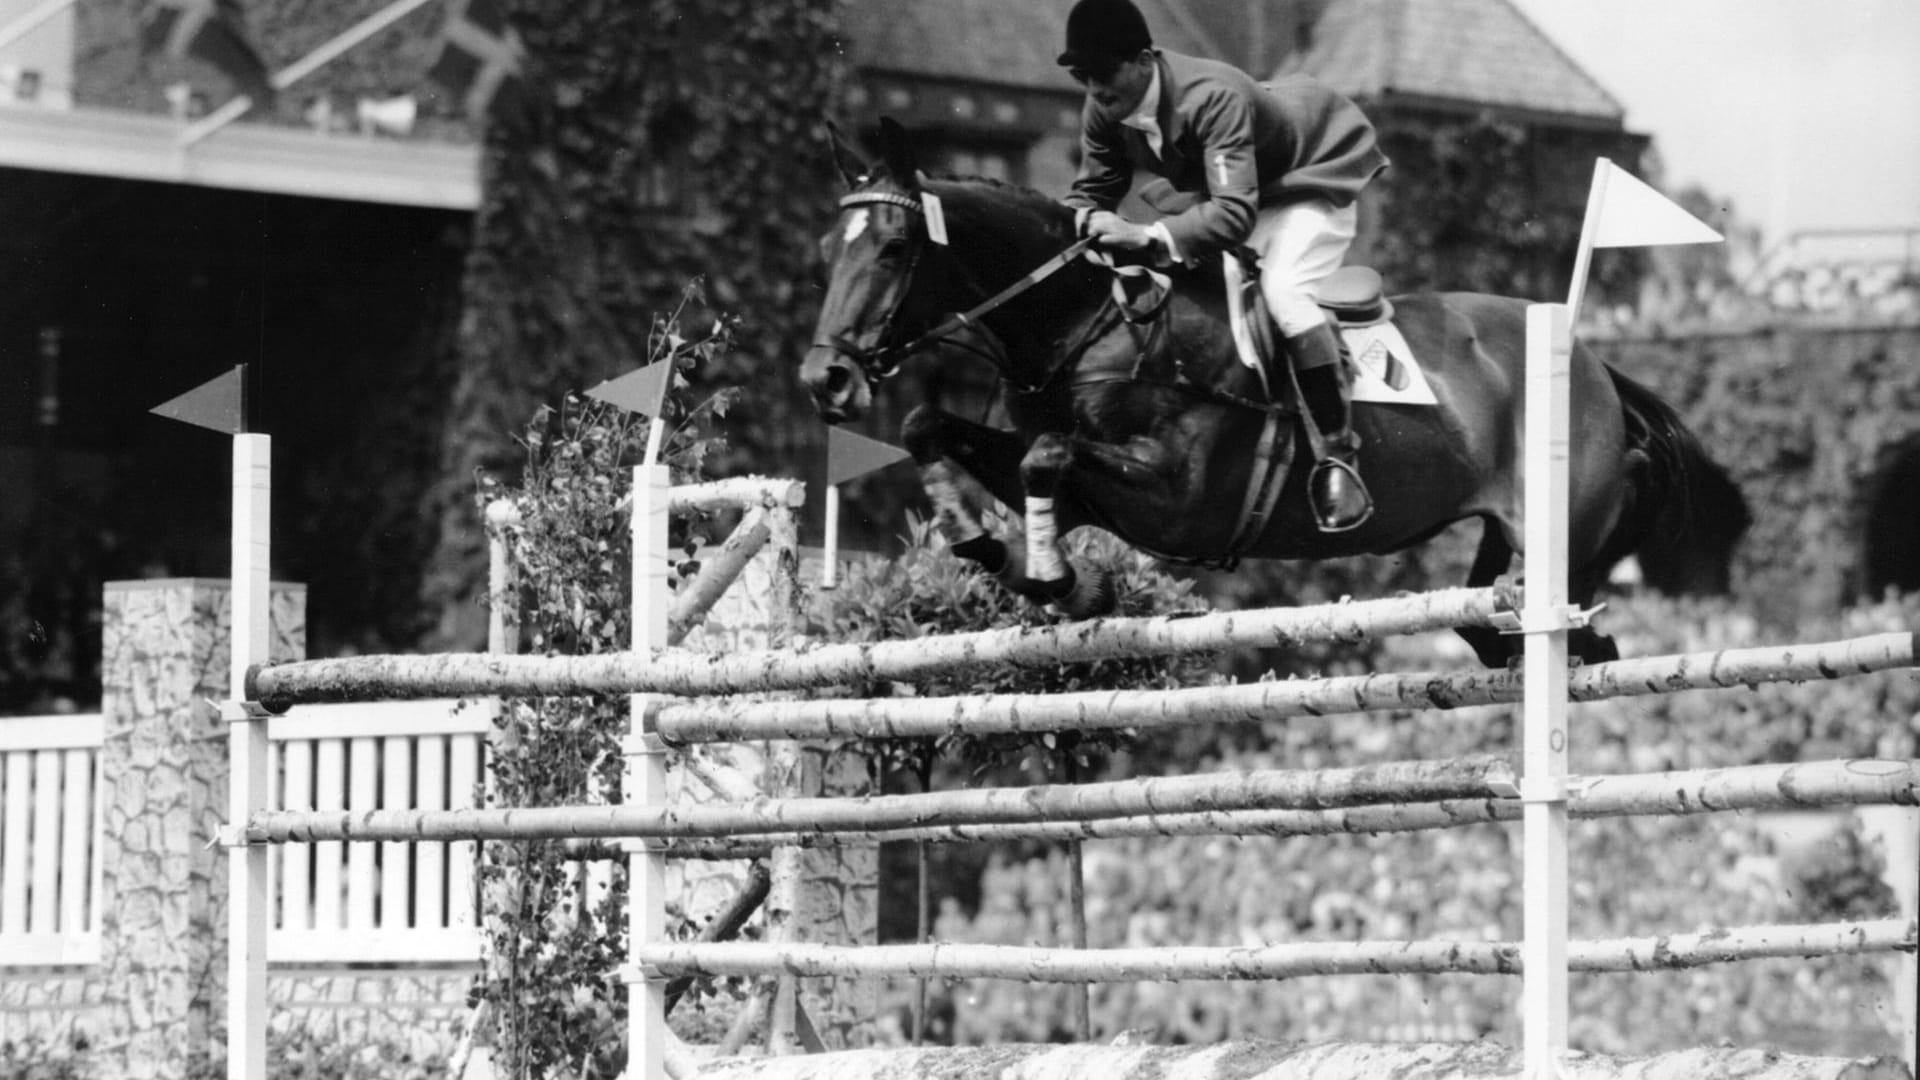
152, 1005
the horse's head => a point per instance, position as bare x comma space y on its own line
872, 252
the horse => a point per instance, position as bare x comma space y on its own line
1149, 426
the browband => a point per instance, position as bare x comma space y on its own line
864, 198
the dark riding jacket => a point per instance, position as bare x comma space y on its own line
1236, 144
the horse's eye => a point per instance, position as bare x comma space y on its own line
894, 249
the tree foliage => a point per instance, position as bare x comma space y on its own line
555, 936
663, 141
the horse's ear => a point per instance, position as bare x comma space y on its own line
853, 168
896, 149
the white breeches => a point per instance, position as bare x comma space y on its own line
1299, 244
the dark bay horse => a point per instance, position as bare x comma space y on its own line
1149, 430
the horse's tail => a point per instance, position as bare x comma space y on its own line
1685, 514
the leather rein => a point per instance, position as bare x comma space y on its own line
884, 362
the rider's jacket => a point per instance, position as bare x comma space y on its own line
1238, 144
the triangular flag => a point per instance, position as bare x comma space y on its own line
1633, 214
643, 391
480, 57
211, 30
220, 403
850, 455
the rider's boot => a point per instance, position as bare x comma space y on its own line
1340, 498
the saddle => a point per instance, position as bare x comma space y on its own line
1352, 296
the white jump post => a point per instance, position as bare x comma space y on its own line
1545, 619
646, 775
247, 896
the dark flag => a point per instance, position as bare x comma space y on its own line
219, 403
480, 58
213, 31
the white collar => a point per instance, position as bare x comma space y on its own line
1147, 117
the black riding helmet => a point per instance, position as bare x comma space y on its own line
1102, 33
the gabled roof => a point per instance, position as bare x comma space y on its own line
991, 41
1475, 52
1009, 42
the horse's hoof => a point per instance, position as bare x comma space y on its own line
1092, 595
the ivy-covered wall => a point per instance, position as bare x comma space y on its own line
1806, 418
665, 142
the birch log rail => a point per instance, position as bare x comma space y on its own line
1802, 786
723, 720
372, 678
1281, 961
1474, 777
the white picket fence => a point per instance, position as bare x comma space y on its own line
49, 839
336, 904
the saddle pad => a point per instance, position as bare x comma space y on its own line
1384, 368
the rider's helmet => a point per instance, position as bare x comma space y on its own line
1102, 33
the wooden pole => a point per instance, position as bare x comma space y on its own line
381, 678
248, 901
1544, 621
830, 567
727, 720
374, 678
646, 775
1472, 777
1807, 785
718, 570
1283, 961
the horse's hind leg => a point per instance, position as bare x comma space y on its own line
1496, 649
1584, 643
1495, 557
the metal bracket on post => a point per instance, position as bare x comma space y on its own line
639, 972
1545, 620
241, 712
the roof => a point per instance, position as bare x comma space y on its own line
1009, 42
1478, 52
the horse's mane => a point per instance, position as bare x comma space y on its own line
1019, 195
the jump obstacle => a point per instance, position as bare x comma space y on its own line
1394, 796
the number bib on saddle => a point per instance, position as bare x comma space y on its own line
1384, 368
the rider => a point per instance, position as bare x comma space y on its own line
1276, 167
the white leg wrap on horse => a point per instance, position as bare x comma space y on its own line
950, 511
1044, 562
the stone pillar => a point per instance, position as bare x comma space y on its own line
827, 895
163, 768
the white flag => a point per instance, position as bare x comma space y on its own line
1632, 214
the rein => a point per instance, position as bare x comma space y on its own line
882, 363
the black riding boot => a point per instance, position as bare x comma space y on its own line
1340, 497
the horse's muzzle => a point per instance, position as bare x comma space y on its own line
839, 388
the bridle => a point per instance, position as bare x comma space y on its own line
883, 362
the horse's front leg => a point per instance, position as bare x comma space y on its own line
946, 449
1130, 479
